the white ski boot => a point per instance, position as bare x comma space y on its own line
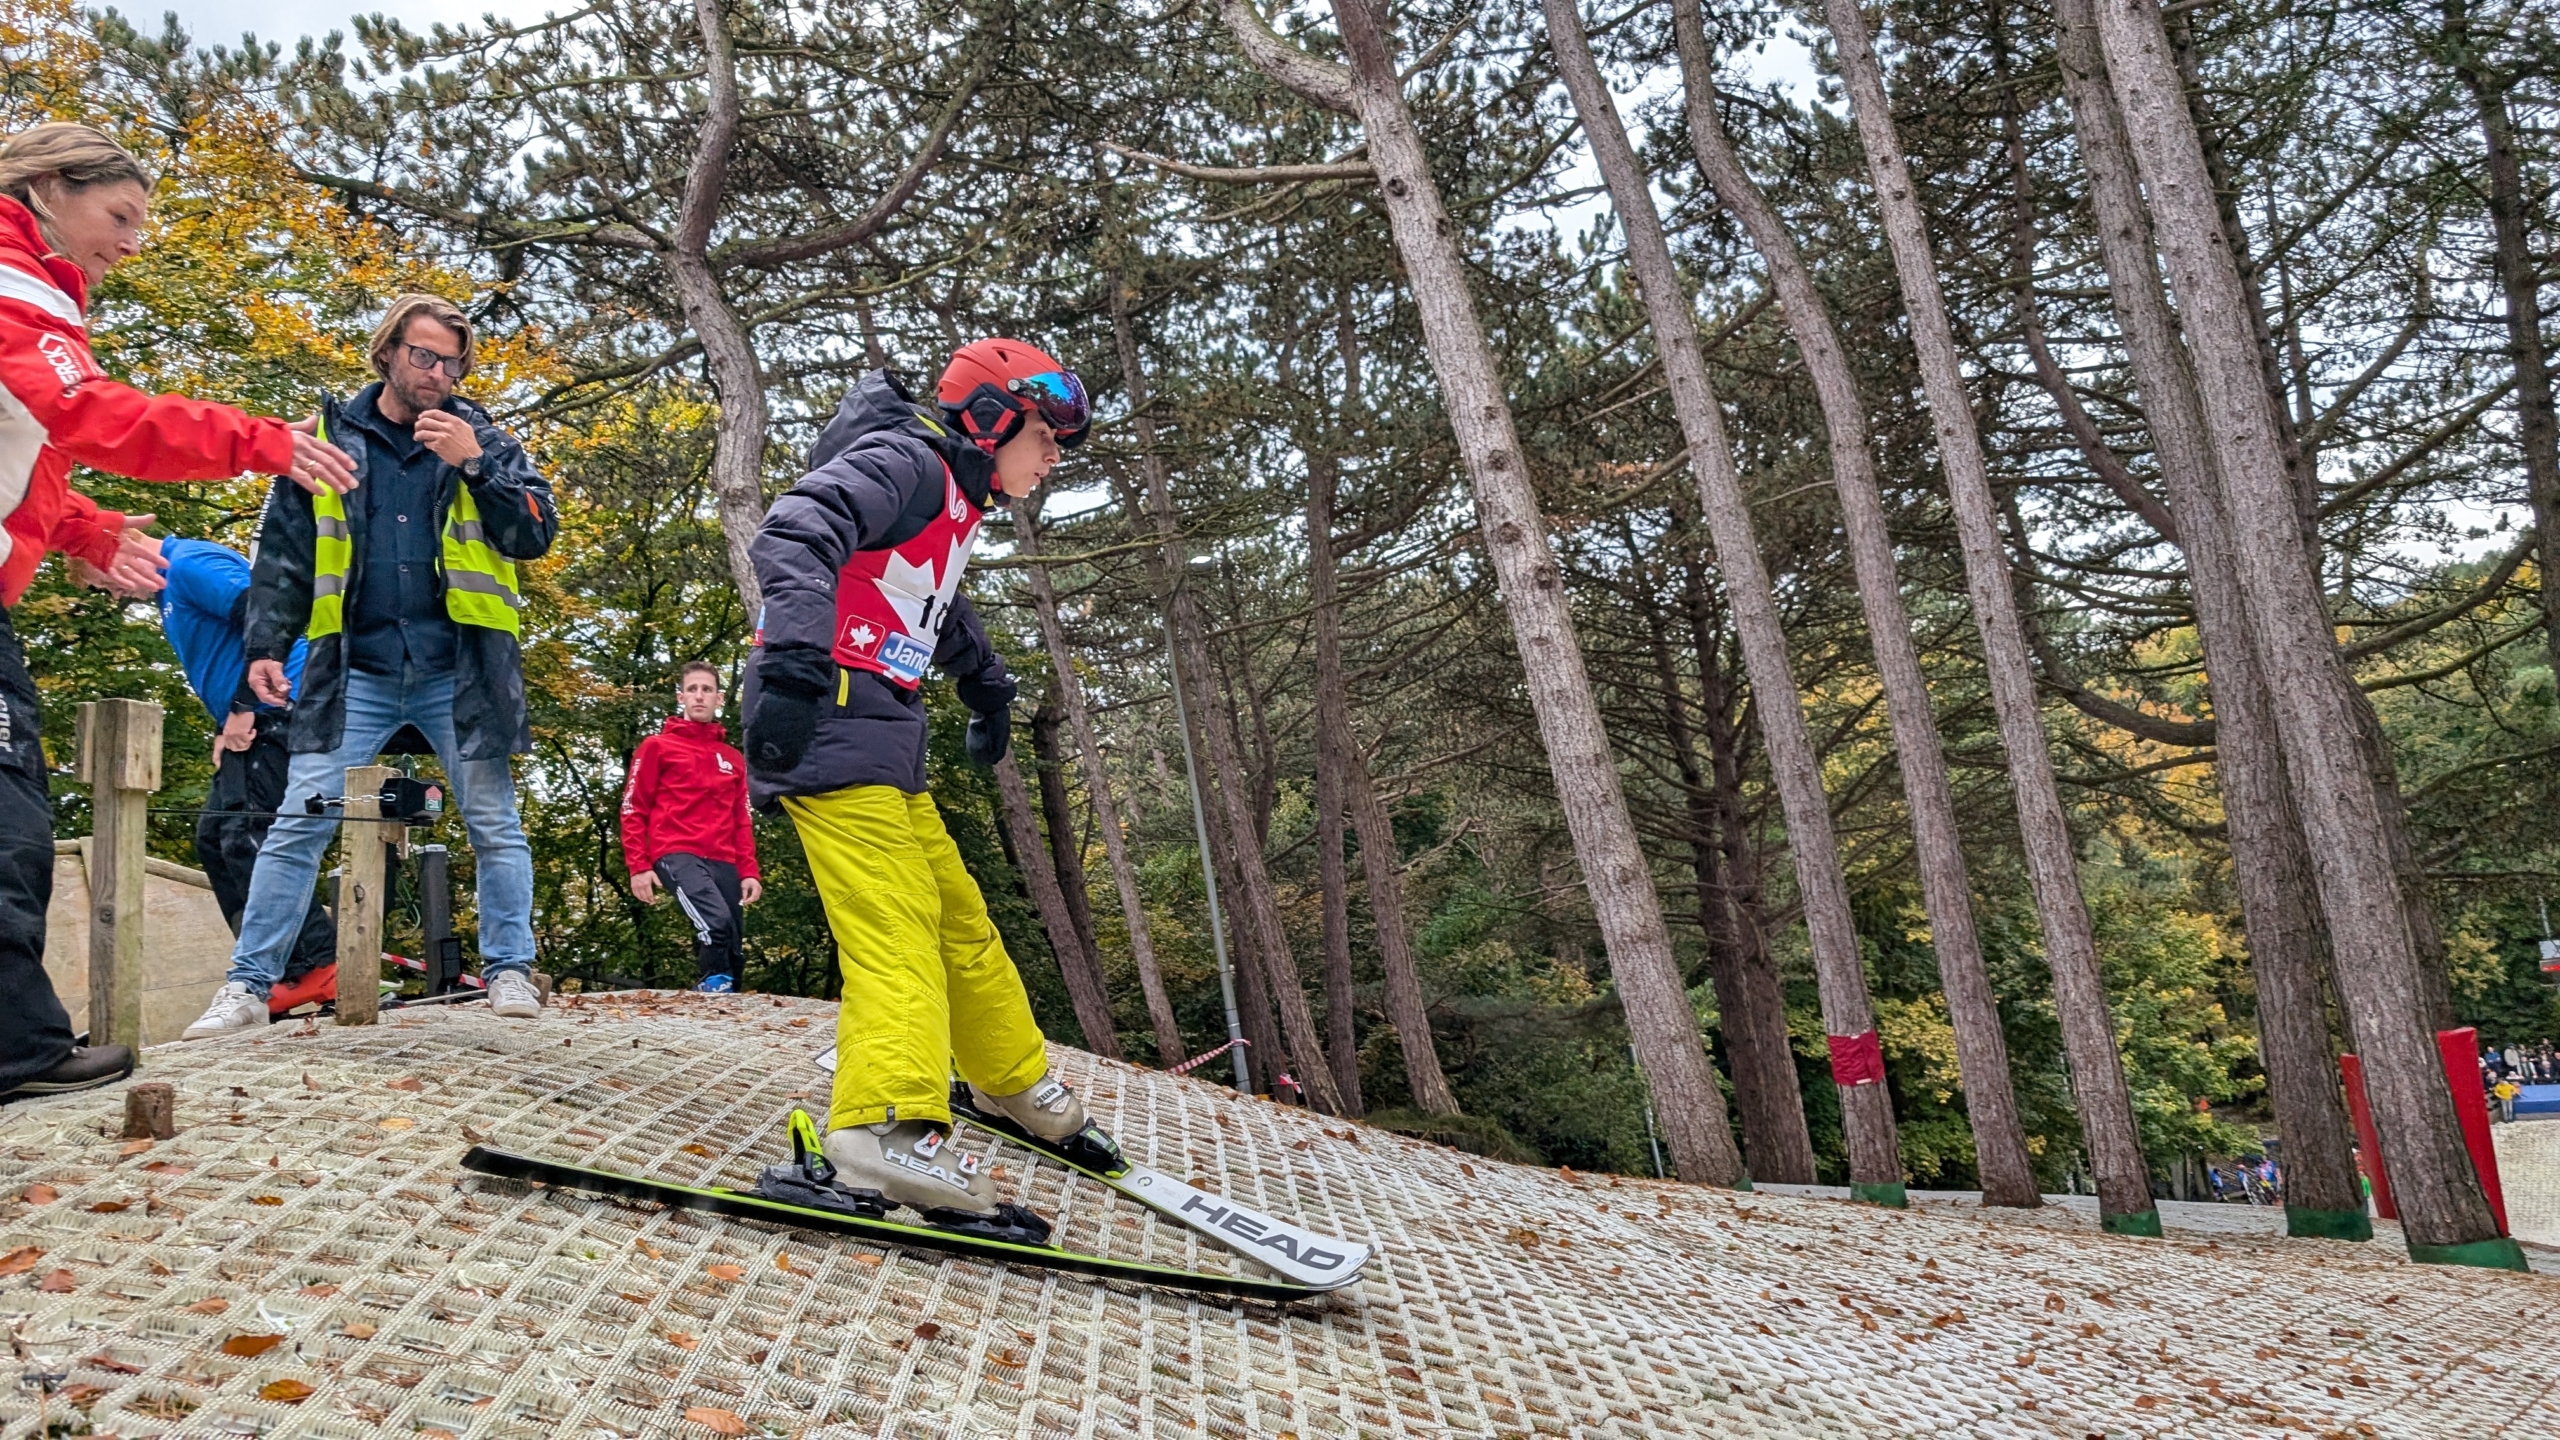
868, 1168
1049, 1113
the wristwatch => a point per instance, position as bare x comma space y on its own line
471, 468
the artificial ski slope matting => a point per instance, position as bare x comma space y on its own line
308, 1257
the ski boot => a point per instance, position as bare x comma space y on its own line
809, 1181
1050, 1113
912, 1163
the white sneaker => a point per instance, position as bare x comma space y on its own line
235, 1007
512, 995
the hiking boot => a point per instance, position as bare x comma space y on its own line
235, 1008
913, 1163
86, 1068
512, 995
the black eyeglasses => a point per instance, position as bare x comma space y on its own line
426, 359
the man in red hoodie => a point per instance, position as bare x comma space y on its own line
685, 827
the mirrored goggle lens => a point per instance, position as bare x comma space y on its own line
1060, 396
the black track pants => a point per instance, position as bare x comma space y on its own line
248, 788
707, 891
35, 1033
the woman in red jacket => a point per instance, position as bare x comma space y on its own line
72, 205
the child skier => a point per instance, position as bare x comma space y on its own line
860, 566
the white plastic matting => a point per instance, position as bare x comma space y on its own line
310, 1234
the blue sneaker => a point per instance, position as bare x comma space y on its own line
717, 985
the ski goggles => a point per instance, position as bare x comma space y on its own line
1059, 397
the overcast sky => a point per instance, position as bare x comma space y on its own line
222, 22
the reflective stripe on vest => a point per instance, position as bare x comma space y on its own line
479, 583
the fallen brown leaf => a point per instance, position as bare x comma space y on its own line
109, 1363
413, 1084
701, 1150
39, 1194
308, 1083
79, 1394
163, 1167
356, 1330
285, 1392
783, 1264
319, 1292
681, 1340
927, 1330
111, 1207
727, 1272
209, 1305
871, 1260
717, 1421
131, 1148
245, 1346
398, 1122
266, 1199
57, 1283
21, 1260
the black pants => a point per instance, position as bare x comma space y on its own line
35, 1033
708, 892
247, 788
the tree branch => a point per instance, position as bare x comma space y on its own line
1249, 174
1318, 82
769, 253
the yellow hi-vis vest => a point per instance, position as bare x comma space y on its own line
479, 583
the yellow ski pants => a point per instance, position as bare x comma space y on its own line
926, 979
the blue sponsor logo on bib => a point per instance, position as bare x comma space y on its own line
905, 657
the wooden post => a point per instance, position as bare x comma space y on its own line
119, 744
360, 897
150, 1111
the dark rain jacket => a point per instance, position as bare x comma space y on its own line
516, 510
875, 480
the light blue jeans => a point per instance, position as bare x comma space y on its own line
484, 790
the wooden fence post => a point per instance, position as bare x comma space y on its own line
119, 744
360, 897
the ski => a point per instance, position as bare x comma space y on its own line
1313, 1260
742, 1206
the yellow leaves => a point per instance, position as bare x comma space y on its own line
1916, 1032
285, 1392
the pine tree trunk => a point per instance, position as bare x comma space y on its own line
1342, 1039
1255, 908
2044, 832
1982, 1051
2520, 287
737, 450
1082, 971
1066, 848
1738, 867
2269, 856
2439, 1195
1097, 785
1839, 970
1750, 1004
1616, 874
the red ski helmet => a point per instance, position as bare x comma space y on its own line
989, 383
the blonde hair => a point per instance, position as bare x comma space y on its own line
76, 156
393, 331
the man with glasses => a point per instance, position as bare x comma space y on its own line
860, 565
405, 588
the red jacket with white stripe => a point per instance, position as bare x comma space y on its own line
57, 407
688, 796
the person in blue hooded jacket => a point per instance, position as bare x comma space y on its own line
204, 613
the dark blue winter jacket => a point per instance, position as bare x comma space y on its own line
875, 479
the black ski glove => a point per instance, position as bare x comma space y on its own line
793, 680
991, 736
